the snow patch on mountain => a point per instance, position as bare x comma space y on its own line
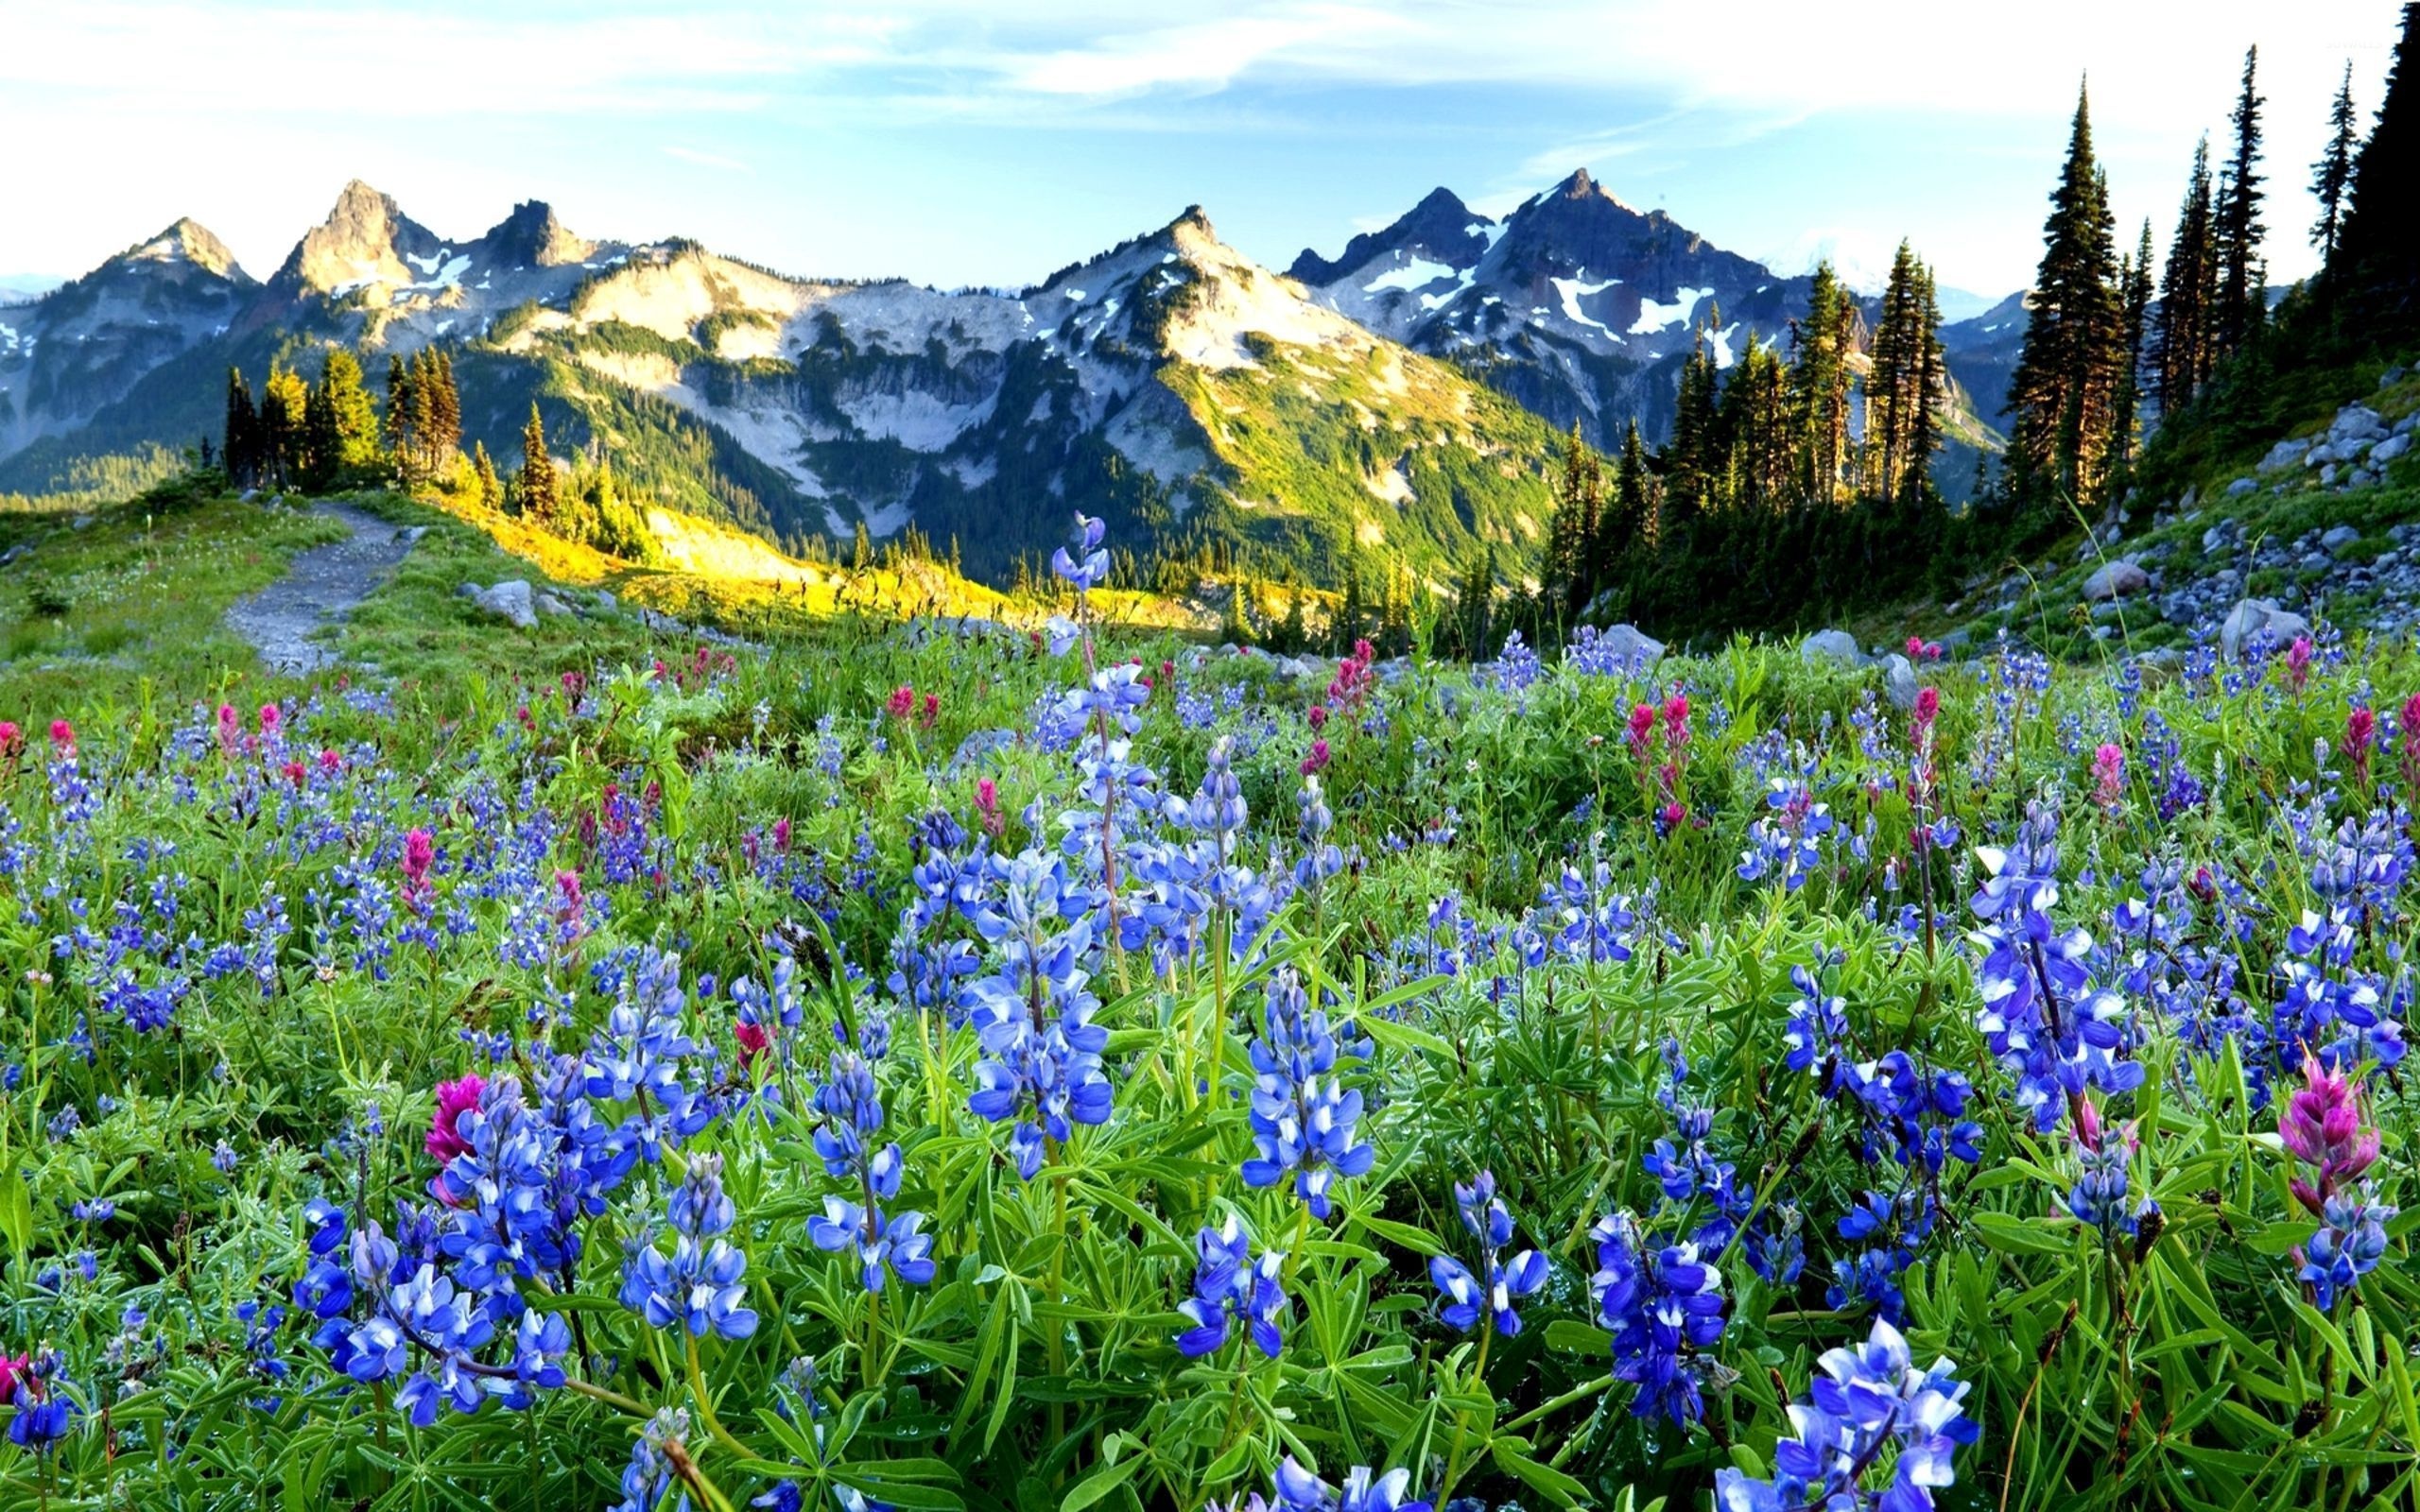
1573, 290
1656, 315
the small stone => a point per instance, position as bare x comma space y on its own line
2337, 539
2393, 447
2240, 487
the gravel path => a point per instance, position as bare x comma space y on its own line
322, 585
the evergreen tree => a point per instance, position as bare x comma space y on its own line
2374, 279
1932, 386
422, 394
347, 437
2183, 354
537, 483
241, 444
1350, 616
1819, 383
285, 447
861, 549
1695, 456
1578, 500
1904, 382
2063, 391
2135, 299
483, 469
1755, 423
445, 405
2332, 174
2239, 221
400, 437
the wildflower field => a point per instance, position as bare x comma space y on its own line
1077, 1069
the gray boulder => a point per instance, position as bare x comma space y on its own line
2240, 487
2286, 454
1832, 646
510, 600
554, 608
1633, 645
2393, 447
2338, 539
2357, 422
2259, 616
1899, 680
2116, 580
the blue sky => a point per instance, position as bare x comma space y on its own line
990, 142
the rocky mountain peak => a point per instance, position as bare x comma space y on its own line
187, 243
532, 237
363, 241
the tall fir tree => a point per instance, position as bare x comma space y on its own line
2332, 174
241, 443
1695, 453
1630, 525
2134, 302
2241, 275
2182, 353
483, 472
447, 411
2064, 390
1578, 500
1756, 424
1903, 382
537, 483
2373, 280
401, 438
285, 400
1820, 381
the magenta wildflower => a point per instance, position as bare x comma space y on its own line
2322, 1128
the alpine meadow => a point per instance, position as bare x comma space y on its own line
1525, 863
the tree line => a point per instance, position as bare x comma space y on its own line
330, 433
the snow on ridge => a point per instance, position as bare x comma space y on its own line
1416, 272
1573, 290
1654, 316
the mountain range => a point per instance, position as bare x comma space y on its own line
1399, 401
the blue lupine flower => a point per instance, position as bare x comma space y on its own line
701, 1286
1867, 1398
1304, 1119
1466, 1298
1663, 1304
1593, 922
1789, 842
2350, 1242
42, 1420
649, 1477
880, 1241
2045, 1018
1033, 1015
1818, 1022
1297, 1489
1086, 574
1231, 1286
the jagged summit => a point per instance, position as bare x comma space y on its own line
363, 242
188, 240
532, 237
1440, 228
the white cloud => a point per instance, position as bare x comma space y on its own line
707, 159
